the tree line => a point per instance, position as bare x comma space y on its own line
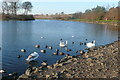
12, 8
99, 13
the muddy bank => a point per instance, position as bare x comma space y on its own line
100, 62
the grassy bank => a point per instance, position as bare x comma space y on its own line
109, 22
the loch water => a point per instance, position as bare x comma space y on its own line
16, 35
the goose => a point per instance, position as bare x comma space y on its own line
32, 56
63, 44
91, 44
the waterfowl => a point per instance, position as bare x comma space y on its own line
32, 56
63, 44
2, 71
84, 43
37, 46
67, 55
61, 53
43, 51
68, 50
73, 42
90, 44
23, 50
55, 53
81, 43
41, 37
50, 47
76, 51
46, 46
81, 51
72, 36
61, 39
19, 56
57, 50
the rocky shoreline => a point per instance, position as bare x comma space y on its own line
99, 62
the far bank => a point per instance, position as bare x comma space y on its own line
16, 17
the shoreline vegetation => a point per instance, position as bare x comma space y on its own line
98, 62
16, 17
97, 15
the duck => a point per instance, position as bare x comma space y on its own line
90, 44
42, 37
19, 56
23, 50
63, 44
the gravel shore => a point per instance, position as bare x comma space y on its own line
99, 62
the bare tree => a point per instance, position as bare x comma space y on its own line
14, 6
9, 7
27, 6
4, 7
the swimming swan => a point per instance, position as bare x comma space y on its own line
91, 44
63, 44
32, 56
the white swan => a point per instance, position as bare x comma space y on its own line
91, 44
2, 71
63, 44
32, 56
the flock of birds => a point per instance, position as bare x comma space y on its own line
35, 55
62, 44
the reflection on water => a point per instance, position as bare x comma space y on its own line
18, 35
33, 63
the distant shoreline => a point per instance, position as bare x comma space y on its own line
16, 17
113, 24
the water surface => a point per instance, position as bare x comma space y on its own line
18, 35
